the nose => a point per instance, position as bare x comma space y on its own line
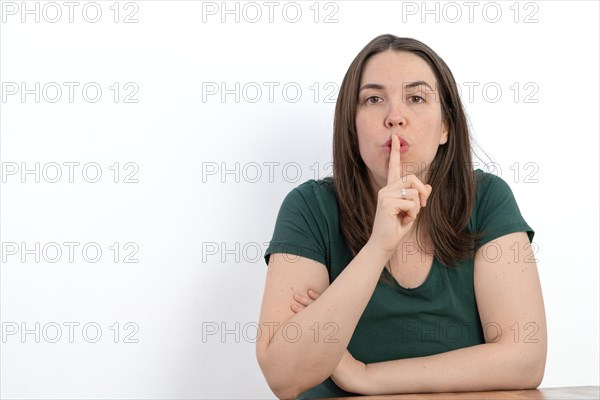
394, 116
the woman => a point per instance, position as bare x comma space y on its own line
407, 271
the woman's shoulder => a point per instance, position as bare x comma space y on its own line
303, 223
315, 189
488, 183
322, 184
314, 196
496, 210
482, 175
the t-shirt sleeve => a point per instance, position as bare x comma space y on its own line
297, 227
497, 211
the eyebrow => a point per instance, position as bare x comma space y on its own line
409, 85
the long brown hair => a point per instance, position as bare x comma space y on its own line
449, 207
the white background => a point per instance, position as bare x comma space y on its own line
184, 219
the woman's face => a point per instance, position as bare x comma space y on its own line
398, 95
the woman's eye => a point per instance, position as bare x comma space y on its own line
373, 99
416, 99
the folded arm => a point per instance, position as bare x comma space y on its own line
511, 310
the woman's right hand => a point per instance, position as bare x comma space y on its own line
395, 215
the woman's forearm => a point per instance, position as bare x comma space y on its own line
305, 350
490, 366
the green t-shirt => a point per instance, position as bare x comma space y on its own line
438, 316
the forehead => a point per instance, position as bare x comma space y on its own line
391, 68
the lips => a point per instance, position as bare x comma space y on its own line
403, 145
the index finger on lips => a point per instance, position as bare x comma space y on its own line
395, 167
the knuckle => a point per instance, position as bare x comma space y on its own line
416, 206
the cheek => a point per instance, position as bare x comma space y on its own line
361, 124
366, 147
362, 132
366, 126
433, 126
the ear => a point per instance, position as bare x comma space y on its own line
444, 135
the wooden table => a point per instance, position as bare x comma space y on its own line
563, 393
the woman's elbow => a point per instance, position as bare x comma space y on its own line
286, 393
280, 382
537, 373
533, 367
284, 390
288, 381
282, 386
532, 379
